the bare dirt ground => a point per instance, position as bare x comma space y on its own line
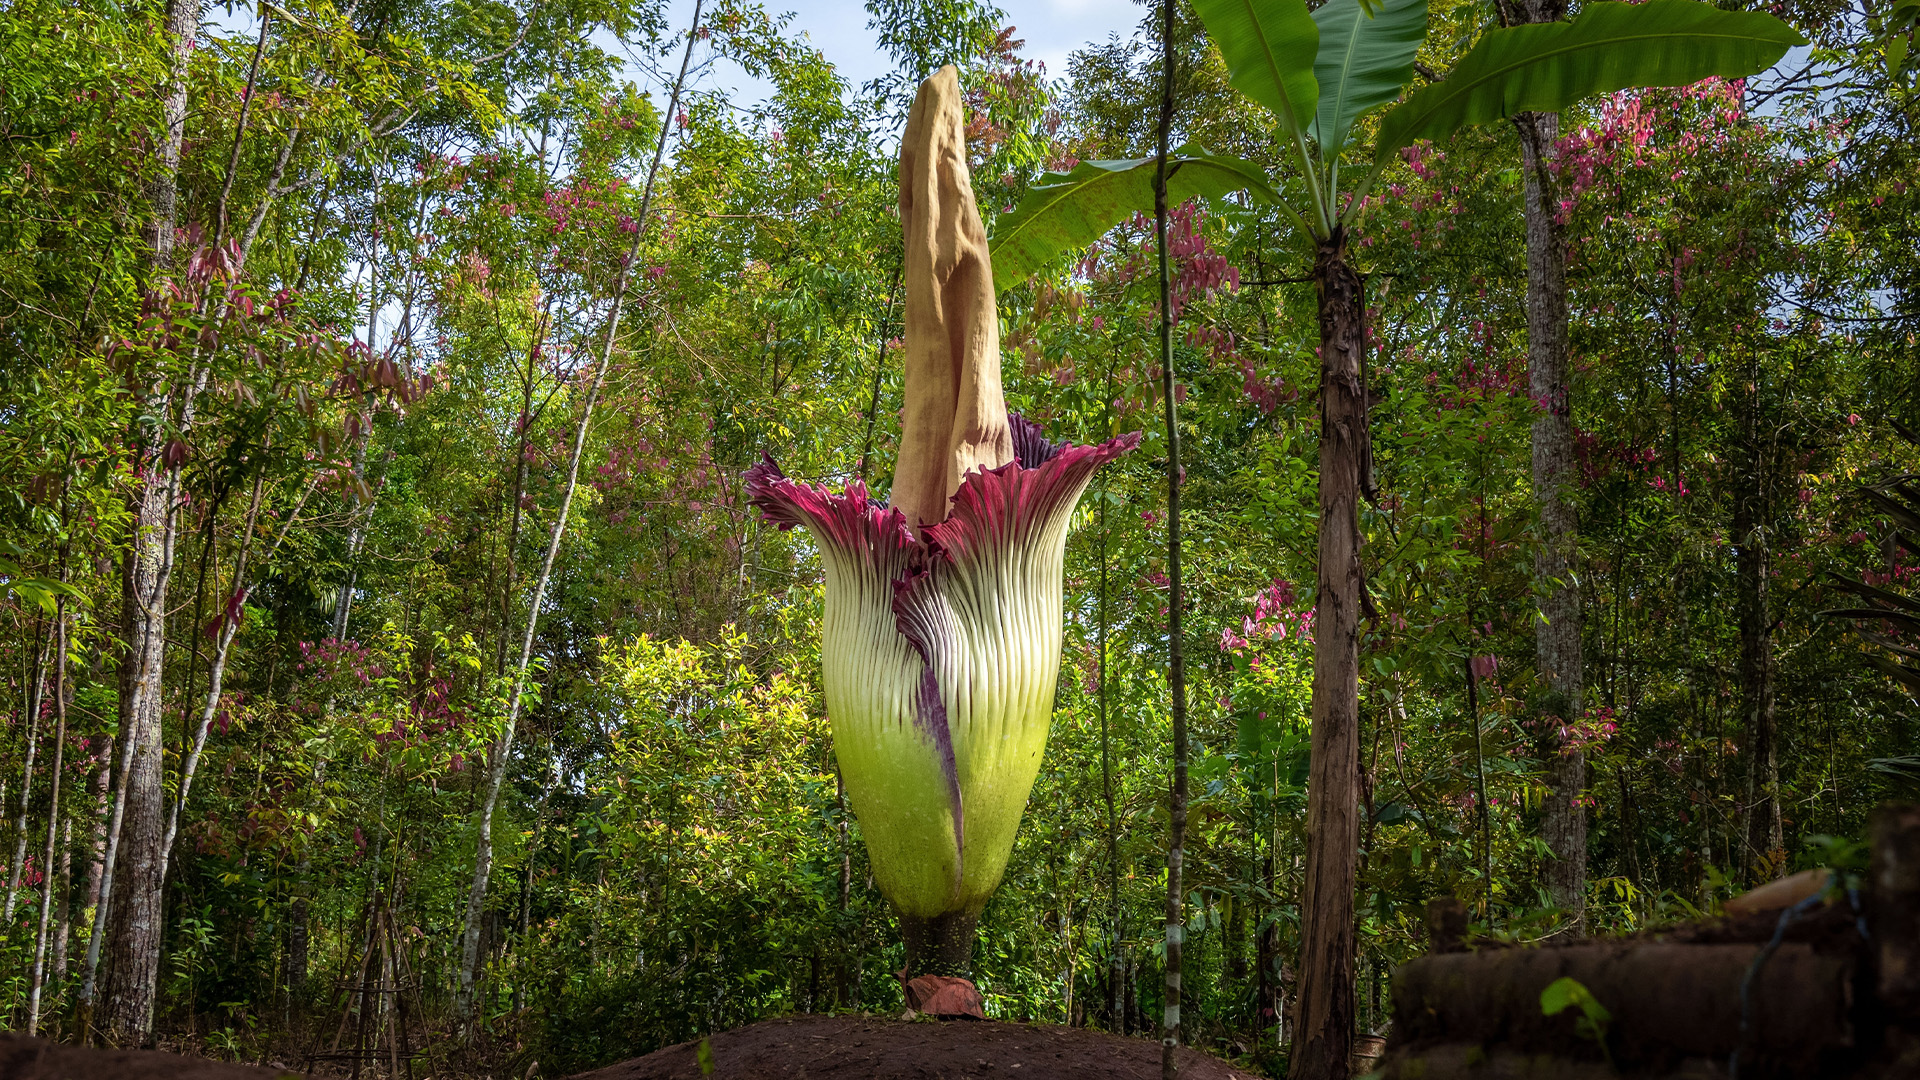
22, 1058
875, 1048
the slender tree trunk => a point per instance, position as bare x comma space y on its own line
134, 965
1266, 956
97, 786
1116, 980
879, 367
63, 906
518, 514
1324, 1025
526, 885
1556, 637
35, 697
1176, 598
503, 746
357, 531
37, 980
235, 602
1233, 977
1752, 513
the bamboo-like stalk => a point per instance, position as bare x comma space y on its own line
1176, 654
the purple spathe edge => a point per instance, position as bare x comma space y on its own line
994, 509
850, 521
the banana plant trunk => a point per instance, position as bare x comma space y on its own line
1324, 1031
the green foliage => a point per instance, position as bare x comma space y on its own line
1064, 211
669, 843
1567, 992
1609, 46
1364, 61
1271, 49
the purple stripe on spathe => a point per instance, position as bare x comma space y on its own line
1030, 448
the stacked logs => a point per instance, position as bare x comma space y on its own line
1796, 982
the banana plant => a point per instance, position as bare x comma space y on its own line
941, 636
1317, 74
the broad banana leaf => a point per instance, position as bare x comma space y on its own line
1908, 677
1911, 622
1610, 46
1888, 644
1904, 515
1269, 46
1875, 594
1364, 61
1904, 768
1067, 211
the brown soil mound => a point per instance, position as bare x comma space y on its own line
22, 1058
874, 1048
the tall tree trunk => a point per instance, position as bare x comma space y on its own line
1556, 635
134, 959
97, 786
1176, 598
1752, 514
1323, 1035
133, 947
63, 906
502, 750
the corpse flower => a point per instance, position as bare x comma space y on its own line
942, 630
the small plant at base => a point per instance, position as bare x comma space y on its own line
1593, 1019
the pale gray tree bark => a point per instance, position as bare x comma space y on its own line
33, 707
1556, 639
135, 927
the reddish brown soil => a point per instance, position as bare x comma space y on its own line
22, 1058
873, 1048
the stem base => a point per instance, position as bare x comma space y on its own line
940, 944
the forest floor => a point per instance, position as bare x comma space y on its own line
22, 1058
876, 1048
789, 1048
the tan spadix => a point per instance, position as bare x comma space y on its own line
955, 419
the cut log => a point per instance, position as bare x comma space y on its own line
1453, 1061
1668, 1003
1894, 896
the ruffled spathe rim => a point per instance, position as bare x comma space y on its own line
1002, 527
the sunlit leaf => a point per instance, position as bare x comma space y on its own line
1610, 46
1269, 46
1364, 61
1064, 212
